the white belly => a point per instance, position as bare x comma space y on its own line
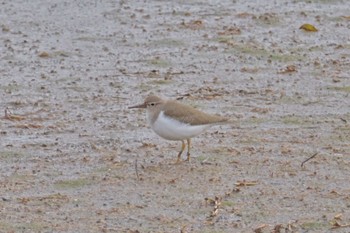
171, 129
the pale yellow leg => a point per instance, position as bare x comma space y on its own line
182, 149
188, 149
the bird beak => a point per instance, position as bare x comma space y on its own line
139, 106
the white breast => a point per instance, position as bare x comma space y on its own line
172, 129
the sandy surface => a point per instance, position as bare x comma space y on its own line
70, 148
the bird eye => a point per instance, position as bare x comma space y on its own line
152, 104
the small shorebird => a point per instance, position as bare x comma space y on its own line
175, 121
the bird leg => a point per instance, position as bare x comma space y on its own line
182, 149
188, 149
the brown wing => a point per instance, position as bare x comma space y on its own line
191, 115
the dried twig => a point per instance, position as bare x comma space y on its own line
183, 229
302, 164
136, 170
343, 120
7, 113
337, 225
12, 117
216, 202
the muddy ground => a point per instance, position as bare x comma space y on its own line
75, 159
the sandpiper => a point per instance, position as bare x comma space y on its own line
175, 121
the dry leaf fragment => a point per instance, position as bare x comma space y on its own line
172, 181
249, 70
12, 117
94, 146
28, 126
230, 31
336, 79
236, 190
338, 216
209, 201
145, 144
277, 228
285, 149
260, 110
44, 54
246, 183
214, 212
35, 126
24, 200
197, 22
308, 27
259, 228
5, 28
291, 68
244, 15
288, 69
334, 192
336, 225
183, 229
194, 24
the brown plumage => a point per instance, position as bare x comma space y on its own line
179, 111
175, 121
191, 115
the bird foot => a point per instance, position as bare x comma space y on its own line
178, 161
188, 157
